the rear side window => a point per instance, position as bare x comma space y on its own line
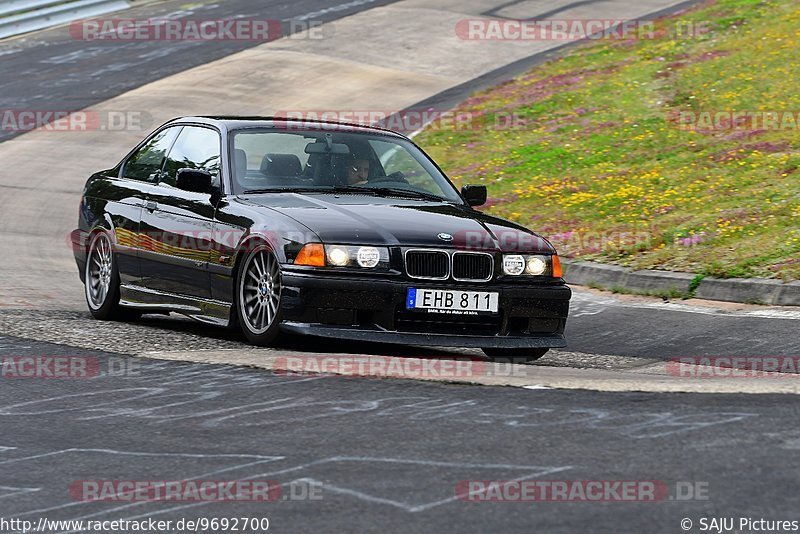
145, 163
196, 148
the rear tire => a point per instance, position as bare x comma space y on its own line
258, 296
514, 355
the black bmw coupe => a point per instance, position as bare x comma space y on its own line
334, 230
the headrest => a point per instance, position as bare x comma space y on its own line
281, 165
240, 163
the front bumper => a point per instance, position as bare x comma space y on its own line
367, 309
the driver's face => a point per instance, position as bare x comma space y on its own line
358, 171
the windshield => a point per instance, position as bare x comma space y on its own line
307, 161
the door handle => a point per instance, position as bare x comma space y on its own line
151, 206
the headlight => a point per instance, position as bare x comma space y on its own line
536, 265
363, 257
527, 264
359, 257
338, 256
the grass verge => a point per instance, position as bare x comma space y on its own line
618, 153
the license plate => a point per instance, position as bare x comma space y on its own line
450, 301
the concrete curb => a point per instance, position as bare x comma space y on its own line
655, 377
748, 291
739, 290
789, 295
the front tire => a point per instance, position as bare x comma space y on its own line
101, 280
258, 296
514, 355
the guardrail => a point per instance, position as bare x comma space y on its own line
22, 16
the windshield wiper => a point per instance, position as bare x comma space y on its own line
386, 192
284, 190
307, 189
349, 189
409, 193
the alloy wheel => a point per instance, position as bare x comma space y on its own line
260, 291
99, 270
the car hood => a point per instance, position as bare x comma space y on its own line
370, 220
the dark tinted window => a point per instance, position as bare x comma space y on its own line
196, 148
265, 159
145, 163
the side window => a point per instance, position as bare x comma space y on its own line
146, 162
196, 148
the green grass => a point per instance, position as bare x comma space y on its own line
598, 162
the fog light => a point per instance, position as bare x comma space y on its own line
513, 265
368, 257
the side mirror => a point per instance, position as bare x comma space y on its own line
194, 180
475, 195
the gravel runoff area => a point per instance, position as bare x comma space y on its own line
157, 333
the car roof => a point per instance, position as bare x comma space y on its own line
233, 122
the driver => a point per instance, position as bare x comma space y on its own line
357, 171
